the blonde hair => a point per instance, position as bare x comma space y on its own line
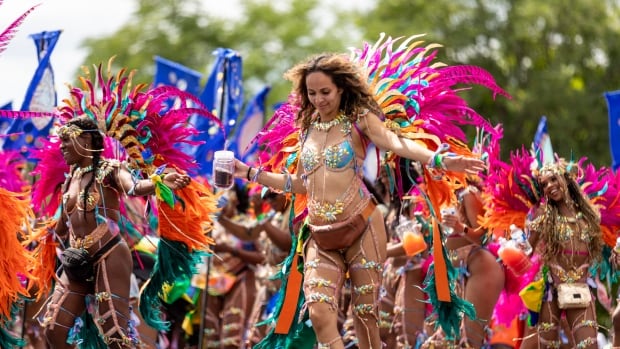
357, 98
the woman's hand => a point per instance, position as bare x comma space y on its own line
453, 221
463, 164
175, 180
222, 247
241, 169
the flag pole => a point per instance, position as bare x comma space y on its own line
205, 291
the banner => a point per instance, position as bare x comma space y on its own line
40, 97
248, 127
223, 97
542, 143
613, 108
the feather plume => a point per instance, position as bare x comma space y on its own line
12, 163
50, 173
510, 191
43, 266
16, 261
11, 30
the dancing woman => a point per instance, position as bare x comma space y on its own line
339, 118
90, 205
566, 230
114, 140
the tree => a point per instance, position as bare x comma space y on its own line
554, 57
269, 36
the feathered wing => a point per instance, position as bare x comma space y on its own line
184, 240
420, 101
602, 186
510, 191
279, 143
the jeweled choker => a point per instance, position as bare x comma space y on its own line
326, 126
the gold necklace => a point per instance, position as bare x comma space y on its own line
80, 171
326, 126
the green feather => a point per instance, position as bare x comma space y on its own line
165, 194
7, 338
300, 336
89, 336
448, 314
174, 263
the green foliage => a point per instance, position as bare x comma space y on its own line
269, 36
554, 57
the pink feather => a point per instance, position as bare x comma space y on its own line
11, 165
50, 171
11, 30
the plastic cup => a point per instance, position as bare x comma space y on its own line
223, 169
515, 259
412, 239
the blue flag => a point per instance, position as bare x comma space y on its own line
175, 74
40, 97
223, 97
247, 128
613, 108
542, 143
5, 122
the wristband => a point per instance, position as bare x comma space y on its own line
436, 160
247, 176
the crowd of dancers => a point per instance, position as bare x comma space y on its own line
111, 241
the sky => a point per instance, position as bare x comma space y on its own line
78, 20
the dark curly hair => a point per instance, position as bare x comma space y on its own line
346, 75
552, 214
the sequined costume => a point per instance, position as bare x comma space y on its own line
324, 271
107, 303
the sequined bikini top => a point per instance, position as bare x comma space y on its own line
565, 227
93, 196
335, 157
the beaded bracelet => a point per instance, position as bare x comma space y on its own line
436, 160
258, 171
288, 186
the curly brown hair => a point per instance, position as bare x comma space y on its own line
549, 224
346, 75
